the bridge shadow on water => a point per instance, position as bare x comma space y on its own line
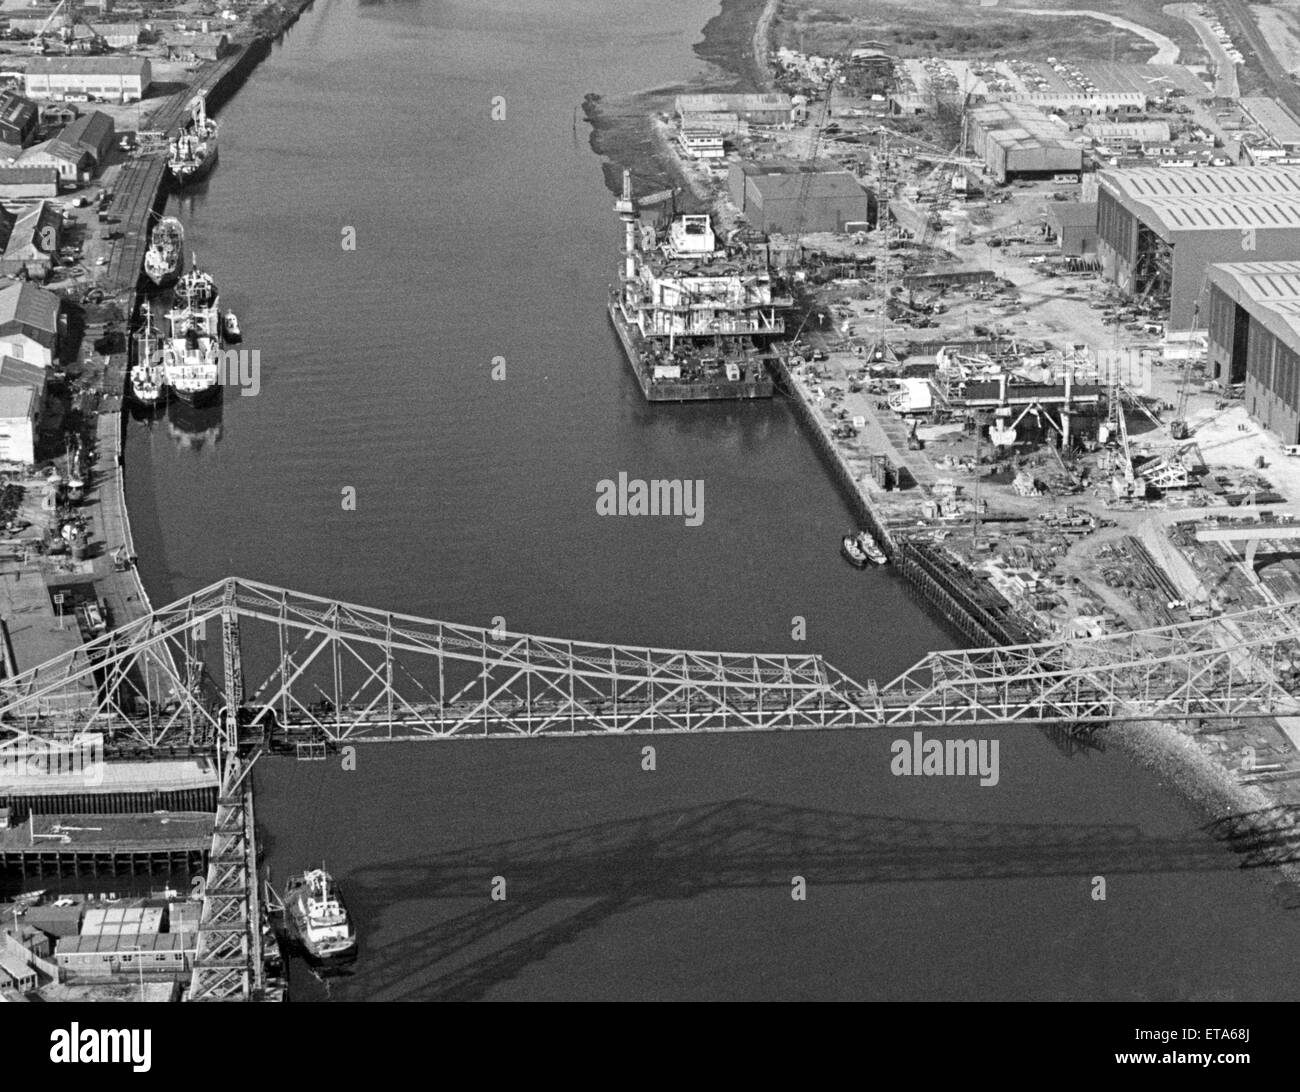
562, 885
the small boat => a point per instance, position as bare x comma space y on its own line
861, 549
231, 325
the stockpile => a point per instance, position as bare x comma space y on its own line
1129, 565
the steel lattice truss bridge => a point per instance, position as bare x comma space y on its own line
333, 674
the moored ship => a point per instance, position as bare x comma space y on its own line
147, 377
165, 258
193, 151
861, 549
316, 917
191, 353
695, 318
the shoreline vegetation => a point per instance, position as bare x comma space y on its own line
628, 133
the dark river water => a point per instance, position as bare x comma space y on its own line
478, 239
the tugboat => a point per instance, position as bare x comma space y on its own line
165, 257
231, 326
861, 549
316, 918
193, 153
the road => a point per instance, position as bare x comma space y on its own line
1225, 80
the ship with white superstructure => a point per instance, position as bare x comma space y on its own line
696, 317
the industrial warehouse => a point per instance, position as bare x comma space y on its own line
782, 195
1254, 337
1158, 230
1017, 140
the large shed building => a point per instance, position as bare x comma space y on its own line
771, 194
1019, 141
116, 79
1254, 337
1159, 228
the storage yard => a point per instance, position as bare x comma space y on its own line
1055, 375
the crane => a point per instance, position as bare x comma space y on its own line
93, 43
1179, 429
814, 139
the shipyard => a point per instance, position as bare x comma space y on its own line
1033, 315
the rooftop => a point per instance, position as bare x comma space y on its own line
16, 403
1271, 290
115, 776
28, 305
87, 66
1277, 121
1209, 198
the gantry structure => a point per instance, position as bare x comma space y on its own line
330, 673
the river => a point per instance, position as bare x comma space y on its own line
479, 239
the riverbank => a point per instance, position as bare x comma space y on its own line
624, 135
138, 195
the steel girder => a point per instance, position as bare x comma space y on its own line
338, 672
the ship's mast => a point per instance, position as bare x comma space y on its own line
626, 210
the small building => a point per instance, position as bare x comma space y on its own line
57, 115
121, 921
701, 144
1074, 223
19, 119
29, 323
1254, 338
22, 403
1120, 132
203, 47
146, 955
20, 182
1277, 123
771, 108
1016, 140
115, 79
74, 165
119, 35
55, 921
869, 70
786, 195
20, 415
32, 247
93, 133
14, 972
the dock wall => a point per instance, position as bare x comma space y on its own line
140, 193
973, 611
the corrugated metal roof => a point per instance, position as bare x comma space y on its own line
1145, 183
1270, 289
1219, 212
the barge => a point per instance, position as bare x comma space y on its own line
695, 319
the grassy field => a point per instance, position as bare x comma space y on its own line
964, 29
